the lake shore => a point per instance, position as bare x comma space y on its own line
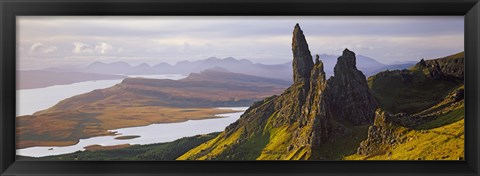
140, 116
143, 135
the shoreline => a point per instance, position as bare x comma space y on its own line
113, 132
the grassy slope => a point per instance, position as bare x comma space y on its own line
441, 143
339, 147
232, 145
257, 138
162, 151
439, 139
410, 92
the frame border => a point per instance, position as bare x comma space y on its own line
12, 8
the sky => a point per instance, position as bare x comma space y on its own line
76, 41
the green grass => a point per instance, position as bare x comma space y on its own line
442, 143
408, 92
213, 148
445, 119
277, 144
249, 150
340, 146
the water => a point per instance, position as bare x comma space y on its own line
150, 134
165, 76
30, 101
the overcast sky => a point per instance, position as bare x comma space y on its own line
78, 41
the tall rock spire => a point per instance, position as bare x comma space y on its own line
350, 96
302, 59
295, 124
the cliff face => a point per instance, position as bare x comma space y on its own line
302, 59
350, 96
296, 123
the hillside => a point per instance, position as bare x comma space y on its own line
297, 123
433, 134
395, 115
425, 120
138, 102
421, 86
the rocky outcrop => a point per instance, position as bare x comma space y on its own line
381, 135
295, 124
350, 97
446, 68
302, 59
452, 66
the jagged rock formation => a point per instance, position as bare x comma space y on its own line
351, 99
380, 135
450, 67
296, 123
302, 59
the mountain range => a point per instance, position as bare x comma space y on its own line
278, 71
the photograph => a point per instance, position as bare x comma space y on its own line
239, 88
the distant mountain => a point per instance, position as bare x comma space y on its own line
244, 66
367, 65
111, 68
222, 75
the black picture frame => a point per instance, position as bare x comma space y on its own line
9, 9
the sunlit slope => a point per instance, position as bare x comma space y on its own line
441, 143
415, 89
422, 113
436, 133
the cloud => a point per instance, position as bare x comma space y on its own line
81, 48
85, 48
103, 47
259, 39
50, 49
41, 48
